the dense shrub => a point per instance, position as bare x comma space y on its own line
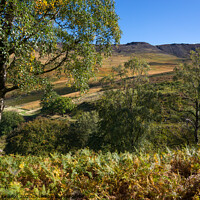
125, 118
168, 135
48, 97
10, 120
42, 136
57, 105
86, 127
52, 103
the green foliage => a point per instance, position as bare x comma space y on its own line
62, 32
88, 175
138, 68
125, 117
52, 103
126, 114
86, 127
189, 93
62, 105
169, 135
42, 136
10, 120
49, 96
41, 36
58, 105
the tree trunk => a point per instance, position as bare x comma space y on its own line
196, 136
196, 122
1, 106
2, 80
2, 88
8, 15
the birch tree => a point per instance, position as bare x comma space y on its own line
41, 36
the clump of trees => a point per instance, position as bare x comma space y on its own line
70, 37
136, 115
127, 112
43, 136
120, 122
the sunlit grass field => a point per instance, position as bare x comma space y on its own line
159, 63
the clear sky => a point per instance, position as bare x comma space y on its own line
159, 21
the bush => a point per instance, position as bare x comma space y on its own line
57, 105
48, 98
168, 135
86, 127
40, 137
62, 105
125, 118
10, 120
52, 103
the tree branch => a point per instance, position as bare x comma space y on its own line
53, 59
60, 63
2, 5
10, 89
56, 67
189, 120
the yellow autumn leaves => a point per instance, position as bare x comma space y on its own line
32, 58
43, 5
165, 175
21, 166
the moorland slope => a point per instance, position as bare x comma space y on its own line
178, 50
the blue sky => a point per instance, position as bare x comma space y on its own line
159, 21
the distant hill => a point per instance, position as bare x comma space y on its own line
178, 50
136, 47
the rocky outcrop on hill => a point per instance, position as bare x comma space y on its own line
136, 47
179, 50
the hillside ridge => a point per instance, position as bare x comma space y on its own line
181, 50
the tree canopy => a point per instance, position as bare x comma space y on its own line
189, 92
41, 36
